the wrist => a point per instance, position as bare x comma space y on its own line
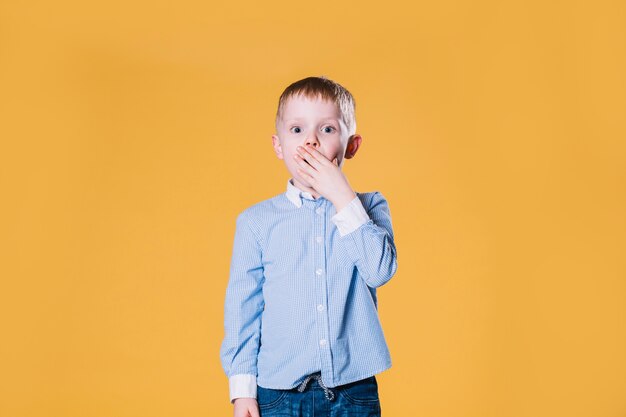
243, 400
343, 200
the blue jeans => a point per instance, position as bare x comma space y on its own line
358, 398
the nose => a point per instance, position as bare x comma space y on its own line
311, 139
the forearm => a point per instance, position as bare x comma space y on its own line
368, 239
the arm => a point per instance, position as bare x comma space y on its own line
243, 308
368, 238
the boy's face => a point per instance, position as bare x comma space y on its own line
312, 122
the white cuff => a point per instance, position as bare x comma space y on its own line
242, 386
350, 217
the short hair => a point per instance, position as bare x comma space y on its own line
322, 87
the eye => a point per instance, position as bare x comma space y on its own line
295, 127
332, 129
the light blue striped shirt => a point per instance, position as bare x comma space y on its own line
301, 295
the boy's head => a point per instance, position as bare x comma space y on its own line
318, 112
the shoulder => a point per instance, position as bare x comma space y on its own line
254, 216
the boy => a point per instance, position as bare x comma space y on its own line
302, 333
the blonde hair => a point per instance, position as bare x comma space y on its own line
326, 89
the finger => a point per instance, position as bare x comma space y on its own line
316, 154
254, 411
336, 161
307, 154
304, 165
306, 175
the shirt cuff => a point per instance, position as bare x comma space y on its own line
350, 217
242, 386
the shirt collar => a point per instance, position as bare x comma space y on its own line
295, 195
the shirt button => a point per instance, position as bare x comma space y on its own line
319, 271
320, 307
319, 239
319, 210
323, 342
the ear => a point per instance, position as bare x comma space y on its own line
277, 148
354, 142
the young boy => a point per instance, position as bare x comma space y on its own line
302, 333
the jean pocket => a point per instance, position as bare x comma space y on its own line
363, 392
268, 398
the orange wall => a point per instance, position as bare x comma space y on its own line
132, 134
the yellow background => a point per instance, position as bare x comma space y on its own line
133, 133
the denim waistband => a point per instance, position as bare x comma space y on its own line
330, 395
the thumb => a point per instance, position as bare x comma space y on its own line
335, 161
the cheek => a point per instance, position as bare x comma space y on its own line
291, 158
334, 151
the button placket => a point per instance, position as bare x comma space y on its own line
319, 260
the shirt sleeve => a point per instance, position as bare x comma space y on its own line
242, 386
350, 217
369, 243
243, 308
